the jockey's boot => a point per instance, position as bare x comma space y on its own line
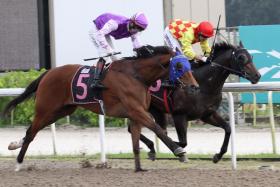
95, 83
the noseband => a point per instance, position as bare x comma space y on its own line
237, 70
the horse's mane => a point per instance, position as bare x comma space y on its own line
219, 48
149, 51
222, 46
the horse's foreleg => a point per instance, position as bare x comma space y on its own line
176, 149
135, 130
144, 118
148, 143
216, 120
147, 120
181, 129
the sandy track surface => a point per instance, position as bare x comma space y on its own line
163, 173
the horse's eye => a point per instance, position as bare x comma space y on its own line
242, 58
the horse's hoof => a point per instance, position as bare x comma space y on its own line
18, 167
152, 156
13, 146
216, 158
140, 170
183, 159
179, 151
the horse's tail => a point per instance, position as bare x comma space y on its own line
29, 91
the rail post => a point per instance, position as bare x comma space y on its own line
232, 126
271, 119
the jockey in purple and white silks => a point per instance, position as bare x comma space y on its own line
109, 25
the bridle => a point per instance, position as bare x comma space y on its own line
164, 67
237, 68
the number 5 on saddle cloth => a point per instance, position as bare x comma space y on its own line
84, 83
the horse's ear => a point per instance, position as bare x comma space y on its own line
241, 44
177, 51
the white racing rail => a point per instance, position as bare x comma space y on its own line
228, 87
4, 92
248, 87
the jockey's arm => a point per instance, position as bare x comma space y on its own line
189, 52
205, 48
135, 41
187, 48
110, 26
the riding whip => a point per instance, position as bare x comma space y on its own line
111, 54
213, 45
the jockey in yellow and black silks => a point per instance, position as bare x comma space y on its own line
182, 34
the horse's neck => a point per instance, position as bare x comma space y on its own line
150, 70
211, 78
145, 70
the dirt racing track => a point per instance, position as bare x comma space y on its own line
82, 172
163, 173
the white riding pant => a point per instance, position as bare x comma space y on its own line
93, 32
171, 41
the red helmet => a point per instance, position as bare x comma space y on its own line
205, 28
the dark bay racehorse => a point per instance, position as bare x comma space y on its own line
126, 96
211, 78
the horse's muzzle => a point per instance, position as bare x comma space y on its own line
255, 79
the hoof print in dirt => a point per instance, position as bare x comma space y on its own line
85, 164
103, 166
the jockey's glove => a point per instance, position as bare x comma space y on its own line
204, 59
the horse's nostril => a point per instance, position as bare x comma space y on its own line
194, 86
258, 76
193, 89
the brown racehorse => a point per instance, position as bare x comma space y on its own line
227, 59
126, 96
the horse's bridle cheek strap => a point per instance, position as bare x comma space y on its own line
247, 63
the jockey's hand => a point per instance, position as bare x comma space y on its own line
200, 59
208, 60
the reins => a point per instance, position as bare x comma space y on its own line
231, 70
